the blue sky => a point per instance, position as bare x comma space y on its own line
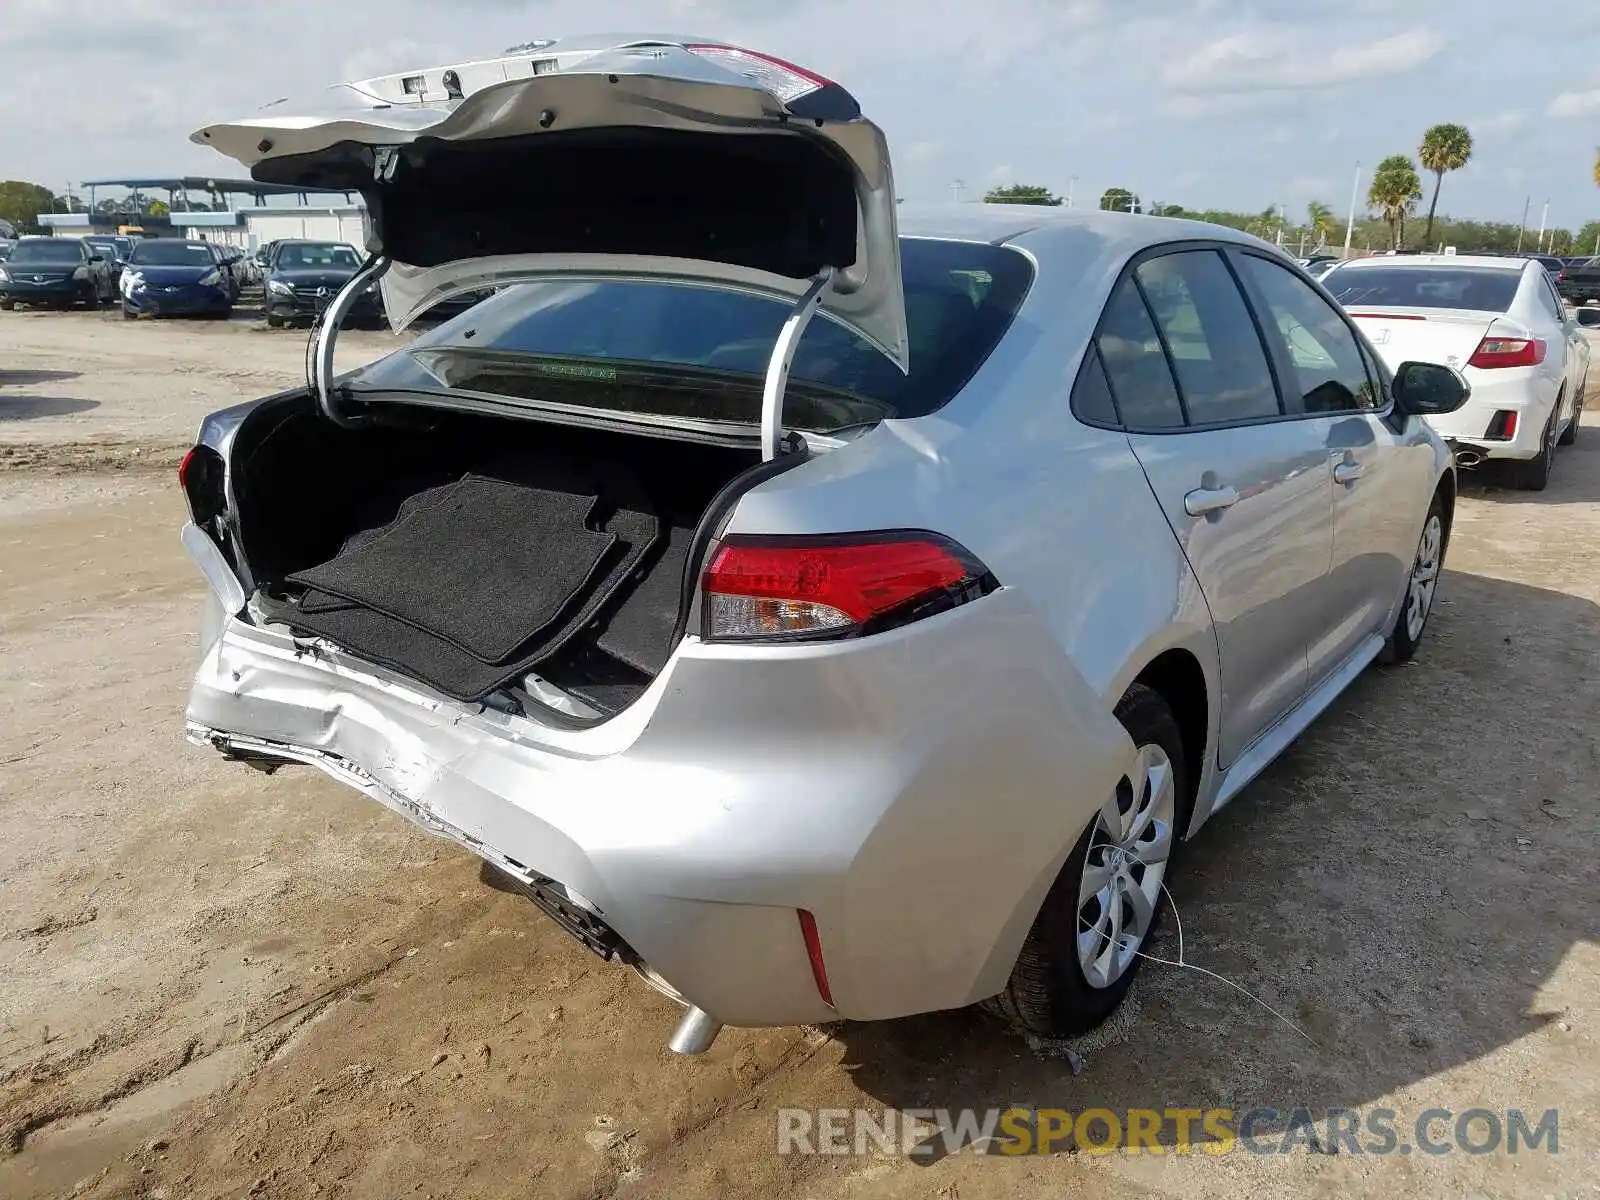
1225, 103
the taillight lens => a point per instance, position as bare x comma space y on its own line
1495, 352
790, 588
200, 475
803, 92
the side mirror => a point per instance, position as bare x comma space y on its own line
1588, 316
1430, 389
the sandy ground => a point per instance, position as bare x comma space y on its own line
215, 983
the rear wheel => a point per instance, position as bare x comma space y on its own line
1082, 954
128, 314
1420, 587
1534, 474
1570, 434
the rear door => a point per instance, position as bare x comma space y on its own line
1376, 468
1246, 491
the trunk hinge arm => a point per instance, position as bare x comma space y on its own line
777, 382
326, 334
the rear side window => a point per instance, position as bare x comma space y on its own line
1216, 352
1091, 395
645, 347
1136, 363
1328, 373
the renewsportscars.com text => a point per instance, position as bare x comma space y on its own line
1210, 1131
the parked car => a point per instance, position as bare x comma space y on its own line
303, 277
1581, 284
57, 271
1321, 267
891, 688
166, 277
1500, 321
6, 247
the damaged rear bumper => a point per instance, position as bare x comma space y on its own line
913, 791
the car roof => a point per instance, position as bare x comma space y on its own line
999, 224
1487, 261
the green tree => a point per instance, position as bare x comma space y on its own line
1118, 199
1444, 148
1395, 192
21, 203
1320, 220
1021, 193
157, 208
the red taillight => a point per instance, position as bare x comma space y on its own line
819, 969
766, 588
183, 468
1495, 352
200, 475
783, 79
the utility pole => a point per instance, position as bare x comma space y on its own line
1072, 186
1523, 228
1350, 227
1544, 219
956, 188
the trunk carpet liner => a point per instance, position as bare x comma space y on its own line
638, 631
486, 565
403, 647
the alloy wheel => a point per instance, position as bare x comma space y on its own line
1120, 885
1424, 577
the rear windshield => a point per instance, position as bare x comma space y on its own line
318, 254
172, 254
671, 350
48, 251
1484, 289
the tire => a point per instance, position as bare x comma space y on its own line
1533, 475
1051, 993
1570, 435
1421, 587
274, 321
8, 305
128, 314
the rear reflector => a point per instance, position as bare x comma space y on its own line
1504, 426
783, 588
819, 969
1495, 352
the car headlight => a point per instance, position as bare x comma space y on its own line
279, 287
5, 276
131, 280
211, 279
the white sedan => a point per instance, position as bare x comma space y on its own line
1500, 322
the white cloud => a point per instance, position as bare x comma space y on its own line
1502, 122
1276, 59
1575, 104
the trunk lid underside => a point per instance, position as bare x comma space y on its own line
641, 160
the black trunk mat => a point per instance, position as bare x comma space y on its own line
393, 643
485, 565
638, 631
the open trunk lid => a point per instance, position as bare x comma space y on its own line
663, 158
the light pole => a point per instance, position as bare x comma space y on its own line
1523, 228
1544, 219
956, 188
1350, 226
1072, 187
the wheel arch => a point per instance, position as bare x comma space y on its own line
1177, 676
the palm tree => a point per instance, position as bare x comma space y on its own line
1444, 148
1319, 218
1395, 191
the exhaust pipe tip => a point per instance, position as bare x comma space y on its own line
696, 1030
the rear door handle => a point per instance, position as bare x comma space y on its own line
1203, 501
1348, 471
